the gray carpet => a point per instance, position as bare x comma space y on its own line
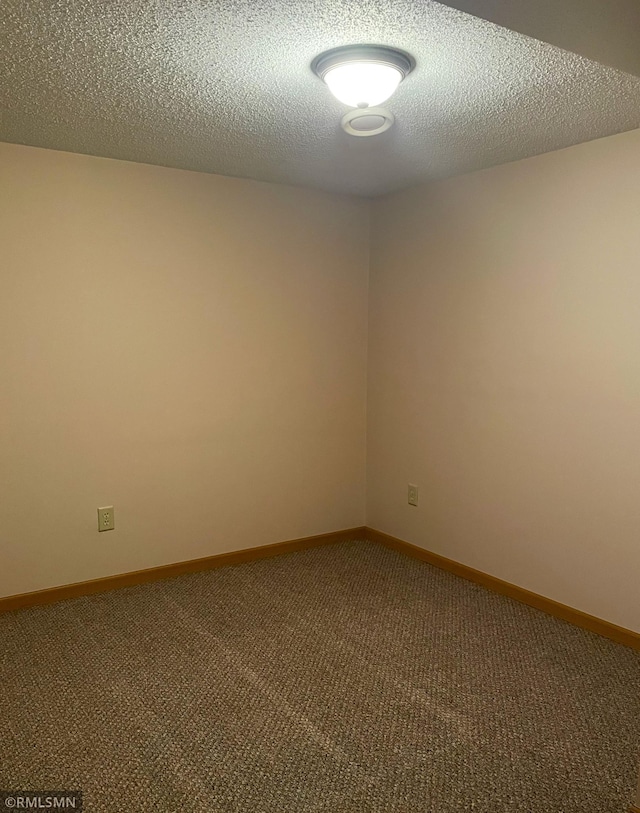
345, 678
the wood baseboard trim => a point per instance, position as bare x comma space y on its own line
67, 591
589, 622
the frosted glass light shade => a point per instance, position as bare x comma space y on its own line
363, 84
363, 75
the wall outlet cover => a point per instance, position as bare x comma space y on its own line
106, 518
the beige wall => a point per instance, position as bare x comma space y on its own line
186, 347
504, 373
193, 350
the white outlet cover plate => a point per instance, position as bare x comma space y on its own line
106, 518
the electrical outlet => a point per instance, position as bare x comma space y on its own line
106, 518
413, 495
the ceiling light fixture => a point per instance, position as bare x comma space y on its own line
363, 75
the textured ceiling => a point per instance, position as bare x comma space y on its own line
225, 86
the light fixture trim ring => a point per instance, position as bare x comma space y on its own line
346, 54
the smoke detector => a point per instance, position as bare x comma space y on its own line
367, 121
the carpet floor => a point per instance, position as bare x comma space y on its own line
343, 679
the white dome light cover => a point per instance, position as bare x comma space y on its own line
363, 84
363, 75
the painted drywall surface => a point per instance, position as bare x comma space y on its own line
603, 30
188, 348
504, 373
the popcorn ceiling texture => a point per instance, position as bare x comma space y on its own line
225, 86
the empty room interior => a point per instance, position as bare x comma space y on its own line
320, 406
